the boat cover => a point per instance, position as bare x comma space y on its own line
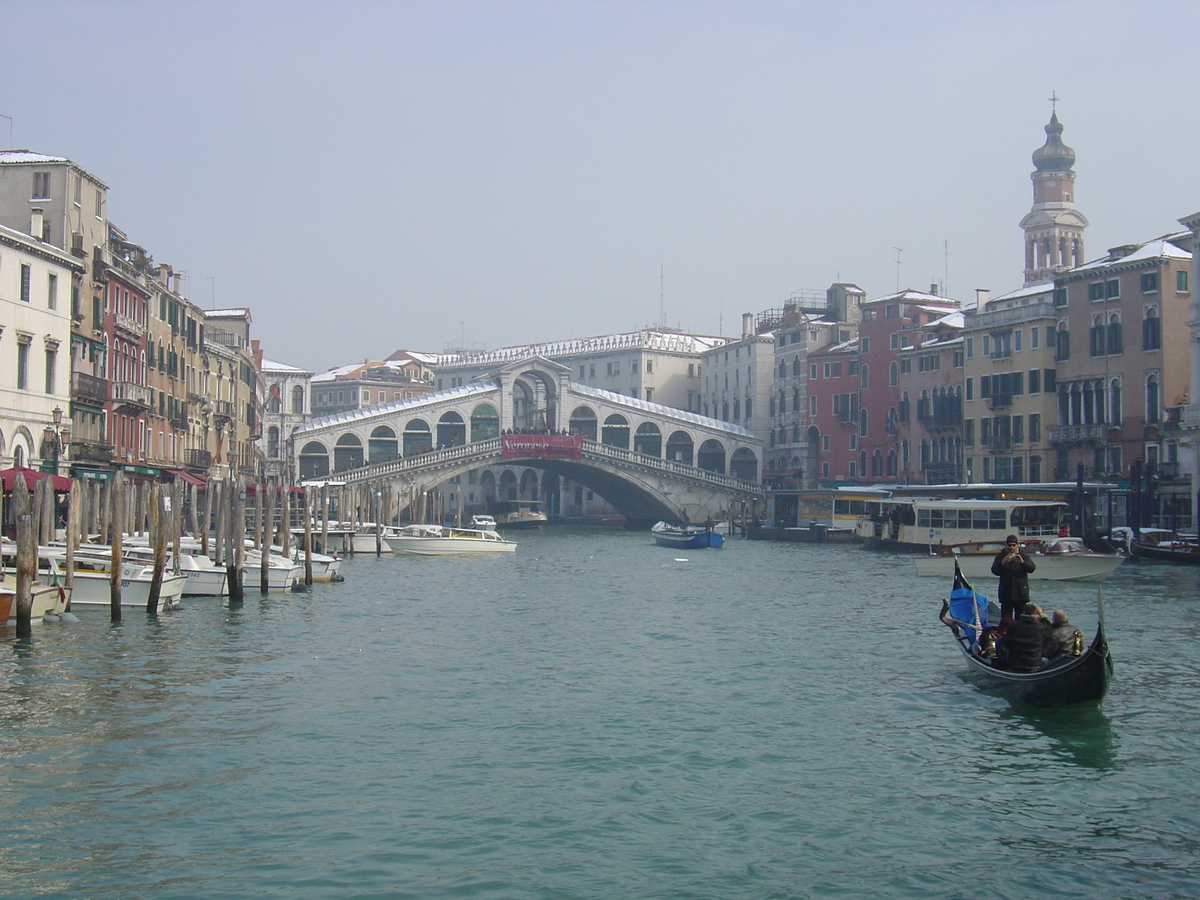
961, 609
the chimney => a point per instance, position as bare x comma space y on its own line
36, 222
982, 297
177, 279
933, 288
747, 325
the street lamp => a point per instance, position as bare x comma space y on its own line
56, 437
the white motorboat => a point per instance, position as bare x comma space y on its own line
324, 568
443, 540
49, 594
1056, 559
91, 581
518, 513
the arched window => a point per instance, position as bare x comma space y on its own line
1115, 341
863, 380
273, 442
314, 460
298, 399
347, 453
616, 432
1152, 399
417, 437
891, 464
273, 398
485, 423
711, 457
893, 375
796, 368
679, 447
877, 464
382, 445
1151, 329
648, 440
451, 430
1114, 402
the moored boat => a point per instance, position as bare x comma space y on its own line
443, 540
518, 513
685, 537
1057, 559
1163, 546
1063, 681
918, 524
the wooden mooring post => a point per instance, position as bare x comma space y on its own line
26, 556
158, 533
116, 519
308, 514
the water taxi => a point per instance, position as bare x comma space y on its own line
1056, 559
444, 540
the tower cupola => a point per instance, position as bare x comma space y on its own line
1053, 227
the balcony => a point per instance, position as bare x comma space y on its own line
943, 473
197, 459
1000, 401
1168, 471
128, 325
1077, 434
88, 387
131, 396
999, 443
223, 409
90, 451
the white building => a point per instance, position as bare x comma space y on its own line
285, 409
36, 283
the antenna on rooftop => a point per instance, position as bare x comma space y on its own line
946, 268
898, 250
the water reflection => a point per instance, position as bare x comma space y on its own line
1081, 735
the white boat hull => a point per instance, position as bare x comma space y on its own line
434, 540
94, 588
1091, 567
48, 600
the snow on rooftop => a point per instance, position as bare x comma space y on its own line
385, 409
1159, 248
227, 313
270, 365
15, 157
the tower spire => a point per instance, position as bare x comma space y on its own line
1053, 227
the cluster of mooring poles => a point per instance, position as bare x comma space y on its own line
105, 511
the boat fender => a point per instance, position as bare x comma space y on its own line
69, 619
299, 588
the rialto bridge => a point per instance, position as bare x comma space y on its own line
648, 461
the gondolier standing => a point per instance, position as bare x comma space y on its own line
1013, 569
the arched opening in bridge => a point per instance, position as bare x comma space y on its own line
648, 440
529, 485
616, 432
743, 464
508, 486
314, 460
451, 430
551, 490
417, 438
382, 445
583, 421
485, 423
487, 485
534, 401
680, 447
711, 457
347, 453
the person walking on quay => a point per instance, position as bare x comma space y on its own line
1013, 568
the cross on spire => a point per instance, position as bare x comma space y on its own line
1053, 102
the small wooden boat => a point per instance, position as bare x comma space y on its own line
685, 537
1063, 681
1165, 546
1056, 559
442, 540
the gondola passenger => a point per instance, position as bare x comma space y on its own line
1025, 640
1065, 639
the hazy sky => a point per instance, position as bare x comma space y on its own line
370, 176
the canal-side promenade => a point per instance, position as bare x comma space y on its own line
594, 716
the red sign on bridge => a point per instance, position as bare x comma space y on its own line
541, 446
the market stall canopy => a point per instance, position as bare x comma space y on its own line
8, 477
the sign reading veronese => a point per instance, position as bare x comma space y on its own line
541, 446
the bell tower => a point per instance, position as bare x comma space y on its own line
1053, 226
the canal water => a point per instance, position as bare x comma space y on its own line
596, 717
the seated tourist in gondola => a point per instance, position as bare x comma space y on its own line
1064, 638
1025, 639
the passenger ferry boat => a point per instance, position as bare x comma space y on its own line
518, 513
919, 524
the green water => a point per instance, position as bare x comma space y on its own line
596, 717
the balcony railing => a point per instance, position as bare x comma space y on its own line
1000, 401
197, 459
90, 451
88, 386
129, 325
1076, 434
126, 393
223, 408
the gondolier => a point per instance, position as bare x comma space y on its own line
1013, 568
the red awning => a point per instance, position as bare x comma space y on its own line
188, 477
8, 476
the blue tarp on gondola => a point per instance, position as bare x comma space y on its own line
963, 608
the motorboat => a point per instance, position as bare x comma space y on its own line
50, 595
518, 513
92, 579
685, 537
1056, 559
444, 540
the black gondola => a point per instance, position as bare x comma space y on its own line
1061, 682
